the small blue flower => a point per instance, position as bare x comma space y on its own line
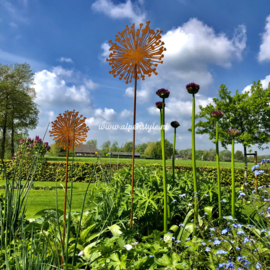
206, 195
207, 249
237, 248
188, 239
182, 195
212, 229
177, 241
151, 256
173, 201
223, 200
240, 232
264, 230
221, 252
181, 225
216, 242
258, 265
224, 231
245, 240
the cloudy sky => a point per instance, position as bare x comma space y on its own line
66, 44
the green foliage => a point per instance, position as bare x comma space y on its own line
149, 149
248, 114
157, 153
239, 155
55, 150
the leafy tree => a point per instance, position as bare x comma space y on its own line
105, 148
128, 147
248, 114
199, 154
148, 150
114, 147
140, 148
55, 150
239, 155
157, 152
16, 101
225, 155
92, 142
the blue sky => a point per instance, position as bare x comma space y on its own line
66, 44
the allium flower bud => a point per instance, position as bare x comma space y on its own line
48, 148
192, 88
217, 114
46, 143
175, 124
234, 132
159, 104
21, 141
163, 93
29, 139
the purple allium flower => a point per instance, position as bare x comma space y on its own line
21, 141
192, 88
46, 143
163, 93
175, 124
159, 104
217, 114
37, 137
234, 132
48, 148
29, 139
31, 145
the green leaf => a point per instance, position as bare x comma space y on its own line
115, 230
189, 214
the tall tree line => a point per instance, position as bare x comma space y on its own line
18, 112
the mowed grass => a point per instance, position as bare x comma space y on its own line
46, 199
138, 161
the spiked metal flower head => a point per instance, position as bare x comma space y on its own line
234, 132
63, 129
140, 51
163, 93
159, 104
175, 124
217, 114
192, 88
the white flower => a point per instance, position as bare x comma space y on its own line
81, 253
128, 247
135, 243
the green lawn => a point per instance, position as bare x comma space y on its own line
138, 161
45, 199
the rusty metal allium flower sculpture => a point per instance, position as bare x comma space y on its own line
134, 58
68, 130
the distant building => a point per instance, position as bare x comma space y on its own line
86, 150
176, 157
125, 154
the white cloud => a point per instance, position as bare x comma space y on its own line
90, 84
141, 95
59, 71
64, 59
264, 53
126, 114
52, 90
126, 10
264, 83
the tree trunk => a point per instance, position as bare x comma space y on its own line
245, 174
4, 136
12, 137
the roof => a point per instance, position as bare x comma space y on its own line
86, 148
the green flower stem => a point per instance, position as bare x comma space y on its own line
194, 167
174, 139
233, 183
218, 174
164, 169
